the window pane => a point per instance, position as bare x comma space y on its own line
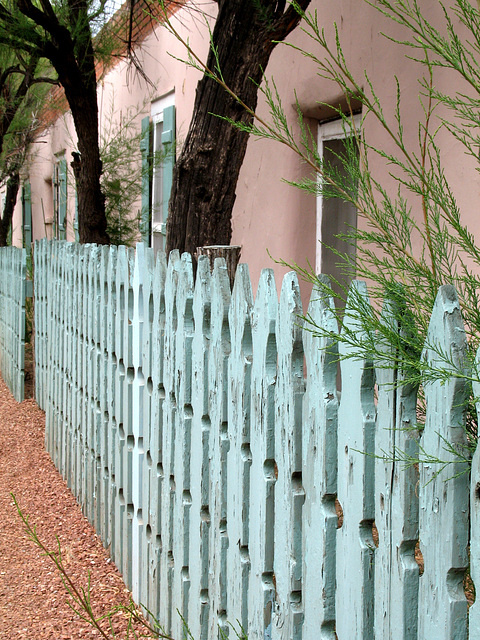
338, 216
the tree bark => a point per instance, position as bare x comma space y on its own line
13, 185
72, 56
206, 173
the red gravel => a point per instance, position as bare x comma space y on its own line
33, 602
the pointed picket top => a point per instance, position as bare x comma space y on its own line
241, 305
239, 453
289, 494
185, 284
200, 462
319, 469
262, 444
201, 339
474, 611
356, 424
396, 495
444, 497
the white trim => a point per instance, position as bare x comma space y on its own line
160, 104
158, 107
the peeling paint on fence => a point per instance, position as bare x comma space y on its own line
202, 432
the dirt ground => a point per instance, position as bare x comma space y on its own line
33, 602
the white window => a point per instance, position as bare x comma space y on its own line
163, 124
334, 215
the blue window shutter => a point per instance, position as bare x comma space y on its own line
27, 216
145, 151
168, 141
62, 205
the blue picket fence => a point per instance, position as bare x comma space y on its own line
13, 282
202, 433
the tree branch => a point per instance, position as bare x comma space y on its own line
289, 20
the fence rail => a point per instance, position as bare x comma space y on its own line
202, 434
13, 278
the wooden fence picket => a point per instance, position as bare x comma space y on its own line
239, 456
319, 468
263, 471
156, 548
289, 492
356, 423
168, 566
182, 498
443, 489
13, 267
217, 500
200, 520
396, 493
474, 611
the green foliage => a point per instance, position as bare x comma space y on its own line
411, 238
122, 175
120, 151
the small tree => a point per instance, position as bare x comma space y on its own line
22, 87
61, 33
423, 205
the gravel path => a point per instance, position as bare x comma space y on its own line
32, 599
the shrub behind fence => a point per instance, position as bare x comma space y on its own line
13, 277
181, 418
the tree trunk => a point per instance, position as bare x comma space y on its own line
13, 185
76, 73
87, 169
206, 173
70, 50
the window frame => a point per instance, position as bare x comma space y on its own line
157, 116
330, 130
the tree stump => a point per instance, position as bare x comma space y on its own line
231, 253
